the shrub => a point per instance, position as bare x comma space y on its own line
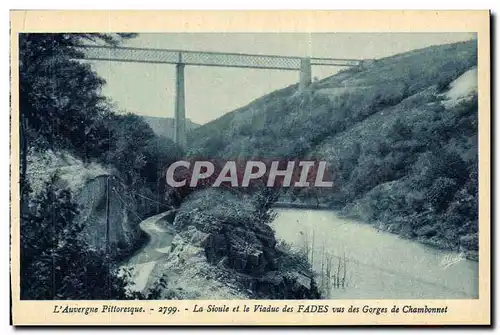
56, 262
291, 259
441, 192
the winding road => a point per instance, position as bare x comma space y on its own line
160, 235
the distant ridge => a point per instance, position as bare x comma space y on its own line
165, 126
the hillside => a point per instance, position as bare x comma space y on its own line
165, 126
88, 175
400, 136
93, 183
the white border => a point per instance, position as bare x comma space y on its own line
185, 4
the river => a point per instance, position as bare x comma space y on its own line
379, 265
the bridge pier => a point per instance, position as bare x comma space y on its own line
305, 74
180, 107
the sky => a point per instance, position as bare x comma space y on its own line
149, 89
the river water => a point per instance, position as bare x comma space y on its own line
378, 265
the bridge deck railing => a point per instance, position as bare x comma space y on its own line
205, 58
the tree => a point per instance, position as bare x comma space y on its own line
160, 152
56, 263
129, 135
61, 107
59, 96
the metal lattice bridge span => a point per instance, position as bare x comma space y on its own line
181, 58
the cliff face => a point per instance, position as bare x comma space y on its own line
89, 187
246, 259
120, 212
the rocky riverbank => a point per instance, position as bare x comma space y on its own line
222, 251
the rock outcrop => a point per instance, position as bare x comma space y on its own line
242, 250
120, 212
88, 183
241, 247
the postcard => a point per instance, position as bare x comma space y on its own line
250, 168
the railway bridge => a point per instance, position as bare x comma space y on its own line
182, 58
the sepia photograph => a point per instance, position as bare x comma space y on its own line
237, 166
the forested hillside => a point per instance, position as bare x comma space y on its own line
400, 136
82, 167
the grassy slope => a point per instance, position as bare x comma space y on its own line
402, 160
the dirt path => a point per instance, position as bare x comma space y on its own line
145, 260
